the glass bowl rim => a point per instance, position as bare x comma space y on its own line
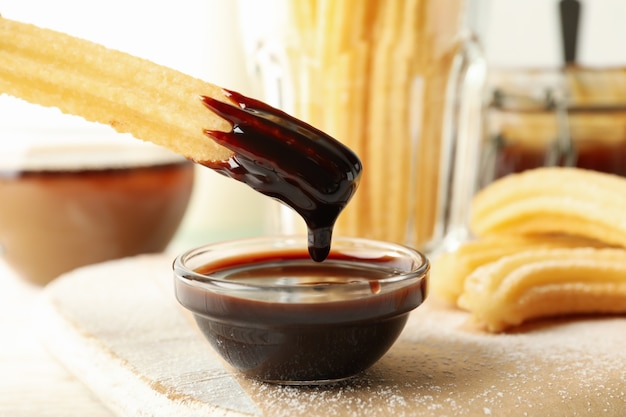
189, 276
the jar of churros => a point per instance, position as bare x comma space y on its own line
574, 116
401, 83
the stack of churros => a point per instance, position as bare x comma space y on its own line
550, 242
133, 95
366, 72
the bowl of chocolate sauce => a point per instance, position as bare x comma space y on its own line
275, 315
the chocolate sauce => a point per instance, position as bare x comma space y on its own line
320, 329
289, 160
593, 155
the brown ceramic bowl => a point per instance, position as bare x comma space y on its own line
65, 206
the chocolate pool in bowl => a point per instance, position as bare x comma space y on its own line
277, 316
78, 203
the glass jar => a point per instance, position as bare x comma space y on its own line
555, 117
399, 82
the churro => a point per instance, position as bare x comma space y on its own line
133, 95
551, 200
243, 138
546, 283
549, 242
374, 74
451, 269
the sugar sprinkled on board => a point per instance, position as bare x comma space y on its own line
440, 366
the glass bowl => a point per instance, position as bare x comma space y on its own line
277, 316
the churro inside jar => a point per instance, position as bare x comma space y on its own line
385, 78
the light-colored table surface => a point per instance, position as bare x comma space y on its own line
32, 383
118, 327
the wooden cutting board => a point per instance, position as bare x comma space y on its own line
119, 329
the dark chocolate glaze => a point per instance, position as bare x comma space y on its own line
289, 160
597, 155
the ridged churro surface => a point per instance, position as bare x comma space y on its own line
552, 200
133, 95
549, 242
451, 269
546, 283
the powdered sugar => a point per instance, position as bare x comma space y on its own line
443, 367
440, 366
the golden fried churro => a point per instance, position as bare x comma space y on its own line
374, 74
240, 137
133, 95
546, 283
450, 270
553, 200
